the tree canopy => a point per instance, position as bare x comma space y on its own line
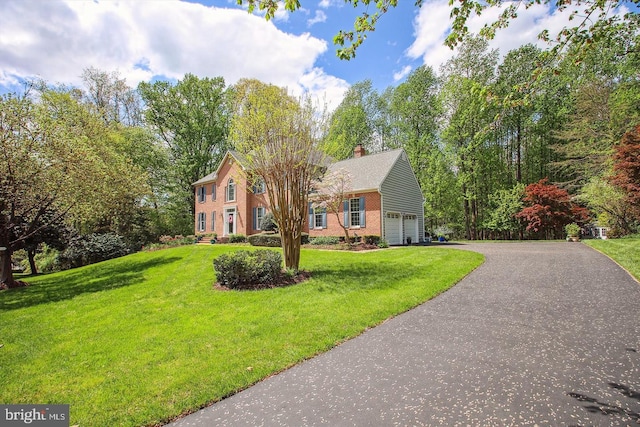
58, 163
192, 118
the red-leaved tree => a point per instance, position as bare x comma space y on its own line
548, 209
627, 167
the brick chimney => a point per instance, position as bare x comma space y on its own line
359, 151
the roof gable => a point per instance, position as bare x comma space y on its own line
213, 176
368, 172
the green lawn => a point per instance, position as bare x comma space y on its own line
141, 339
625, 252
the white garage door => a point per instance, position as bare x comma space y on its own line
392, 227
410, 228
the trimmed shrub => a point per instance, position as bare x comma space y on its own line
383, 244
263, 239
325, 240
244, 269
371, 239
91, 249
237, 238
272, 240
268, 222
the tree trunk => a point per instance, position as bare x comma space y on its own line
32, 261
346, 230
291, 250
6, 273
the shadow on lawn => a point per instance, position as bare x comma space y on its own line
359, 276
93, 278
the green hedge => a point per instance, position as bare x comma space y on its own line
264, 239
237, 238
325, 240
271, 240
244, 269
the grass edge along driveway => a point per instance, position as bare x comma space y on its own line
141, 339
625, 251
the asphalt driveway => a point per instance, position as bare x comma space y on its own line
540, 334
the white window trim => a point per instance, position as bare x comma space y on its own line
202, 221
259, 217
230, 183
352, 212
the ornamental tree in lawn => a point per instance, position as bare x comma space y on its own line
277, 136
330, 193
548, 209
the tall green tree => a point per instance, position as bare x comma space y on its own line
106, 95
605, 103
192, 118
353, 122
415, 111
505, 204
468, 117
517, 110
114, 100
57, 163
609, 204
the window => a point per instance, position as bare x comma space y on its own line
202, 221
317, 217
354, 213
213, 192
258, 214
231, 191
320, 216
213, 221
202, 194
259, 187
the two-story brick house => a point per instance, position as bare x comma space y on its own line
386, 200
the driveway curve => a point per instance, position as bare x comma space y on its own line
540, 334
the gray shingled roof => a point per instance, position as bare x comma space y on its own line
209, 178
214, 175
368, 172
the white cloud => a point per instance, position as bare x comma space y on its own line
324, 88
57, 39
433, 24
319, 17
431, 27
402, 73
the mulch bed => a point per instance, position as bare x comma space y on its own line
18, 284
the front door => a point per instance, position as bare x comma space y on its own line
229, 221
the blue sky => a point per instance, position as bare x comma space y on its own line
150, 39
